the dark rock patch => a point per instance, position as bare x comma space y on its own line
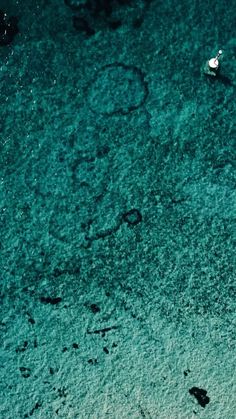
201, 395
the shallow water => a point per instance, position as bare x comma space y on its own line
117, 212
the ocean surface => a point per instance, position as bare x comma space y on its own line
118, 210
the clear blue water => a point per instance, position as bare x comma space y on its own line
117, 211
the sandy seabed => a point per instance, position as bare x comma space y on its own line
117, 213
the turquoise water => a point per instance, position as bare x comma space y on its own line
117, 212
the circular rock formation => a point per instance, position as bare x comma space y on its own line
117, 88
132, 217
